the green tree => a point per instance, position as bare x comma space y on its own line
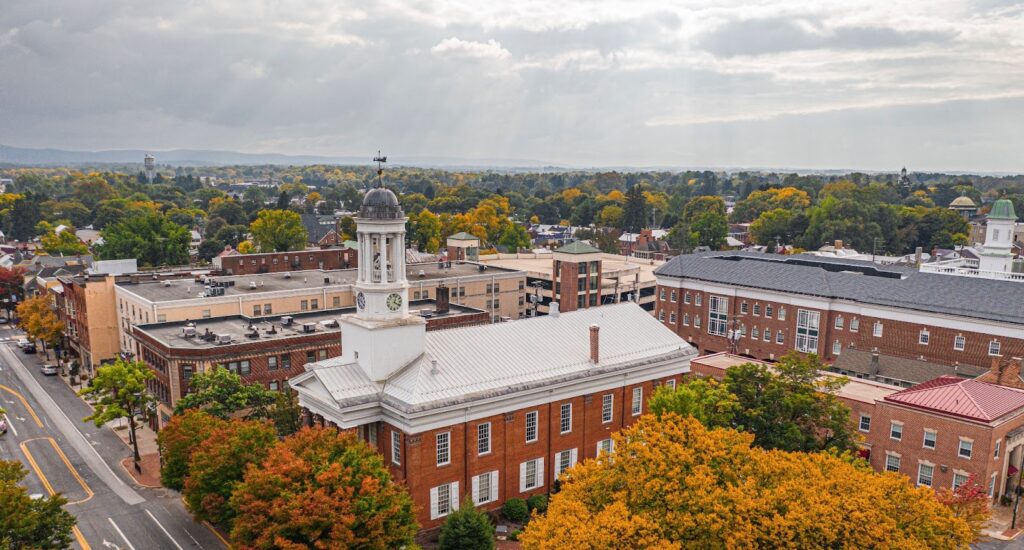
229, 210
286, 412
681, 238
178, 439
222, 393
210, 248
467, 529
514, 237
711, 228
150, 238
26, 522
698, 206
704, 399
278, 231
64, 243
773, 227
611, 216
39, 321
322, 489
119, 391
634, 213
218, 465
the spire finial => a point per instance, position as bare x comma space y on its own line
380, 160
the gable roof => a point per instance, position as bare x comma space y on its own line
904, 369
970, 399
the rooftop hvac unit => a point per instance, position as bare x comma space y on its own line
223, 339
286, 321
287, 274
252, 285
188, 332
330, 323
167, 283
309, 327
423, 273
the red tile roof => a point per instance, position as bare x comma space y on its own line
955, 396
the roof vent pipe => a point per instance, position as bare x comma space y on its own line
595, 348
553, 309
433, 366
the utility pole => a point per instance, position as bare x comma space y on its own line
1016, 500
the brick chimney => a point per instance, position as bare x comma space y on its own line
442, 300
1004, 373
595, 344
874, 360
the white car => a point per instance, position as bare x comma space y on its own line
22, 342
48, 369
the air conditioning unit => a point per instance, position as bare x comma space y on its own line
330, 323
252, 285
287, 274
286, 321
223, 339
167, 283
308, 327
188, 332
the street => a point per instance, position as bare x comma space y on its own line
68, 456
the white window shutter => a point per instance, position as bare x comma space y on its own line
540, 472
494, 485
454, 495
572, 457
476, 489
597, 451
554, 467
611, 446
522, 477
433, 503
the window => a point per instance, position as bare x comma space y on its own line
671, 383
743, 308
444, 499
998, 442
672, 318
661, 316
310, 356
274, 385
966, 447
605, 446
303, 305
993, 347
672, 297
779, 337
564, 460
754, 333
865, 423
256, 310
807, 330
854, 324
565, 418
782, 314
697, 301
924, 474
531, 426
686, 319
767, 335
661, 295
396, 448
272, 362
839, 322
896, 430
892, 462
607, 403
696, 321
485, 488
531, 474
483, 438
922, 337
416, 295
876, 331
768, 311
686, 298
837, 348
245, 367
267, 309
321, 354
718, 318
757, 309
187, 370
444, 448
206, 314
160, 318
991, 486
286, 361
638, 400
959, 479
959, 343
929, 439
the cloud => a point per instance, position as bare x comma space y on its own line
248, 69
457, 48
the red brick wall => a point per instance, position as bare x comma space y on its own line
277, 262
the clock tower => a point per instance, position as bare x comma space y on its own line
381, 336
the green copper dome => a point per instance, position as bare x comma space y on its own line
1002, 209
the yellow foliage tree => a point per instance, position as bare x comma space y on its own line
37, 318
673, 484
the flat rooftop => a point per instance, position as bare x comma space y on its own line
168, 290
539, 265
271, 328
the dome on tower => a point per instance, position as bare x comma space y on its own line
963, 201
1002, 209
380, 203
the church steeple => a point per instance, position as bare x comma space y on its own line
381, 283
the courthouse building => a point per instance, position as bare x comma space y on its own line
492, 411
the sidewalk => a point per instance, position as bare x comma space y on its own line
149, 452
999, 525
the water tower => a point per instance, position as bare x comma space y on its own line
150, 164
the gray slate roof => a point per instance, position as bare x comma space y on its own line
858, 281
913, 371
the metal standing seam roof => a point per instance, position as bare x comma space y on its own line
487, 360
969, 399
858, 281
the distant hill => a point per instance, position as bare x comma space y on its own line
22, 156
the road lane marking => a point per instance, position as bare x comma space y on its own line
80, 538
160, 525
11, 425
42, 477
31, 411
118, 529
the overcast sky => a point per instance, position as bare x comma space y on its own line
933, 84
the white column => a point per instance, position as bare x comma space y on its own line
399, 252
384, 258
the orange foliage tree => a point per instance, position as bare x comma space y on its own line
969, 501
321, 489
179, 438
672, 483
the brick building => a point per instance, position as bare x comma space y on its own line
576, 276
277, 262
937, 433
772, 304
493, 411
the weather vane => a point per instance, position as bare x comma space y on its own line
380, 160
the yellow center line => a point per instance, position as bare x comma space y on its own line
31, 411
80, 538
85, 487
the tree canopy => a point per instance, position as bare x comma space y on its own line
119, 390
26, 522
223, 394
178, 439
150, 238
672, 483
278, 231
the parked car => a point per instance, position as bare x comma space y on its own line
4, 320
22, 342
49, 369
29, 348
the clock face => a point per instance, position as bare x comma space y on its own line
361, 301
394, 302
